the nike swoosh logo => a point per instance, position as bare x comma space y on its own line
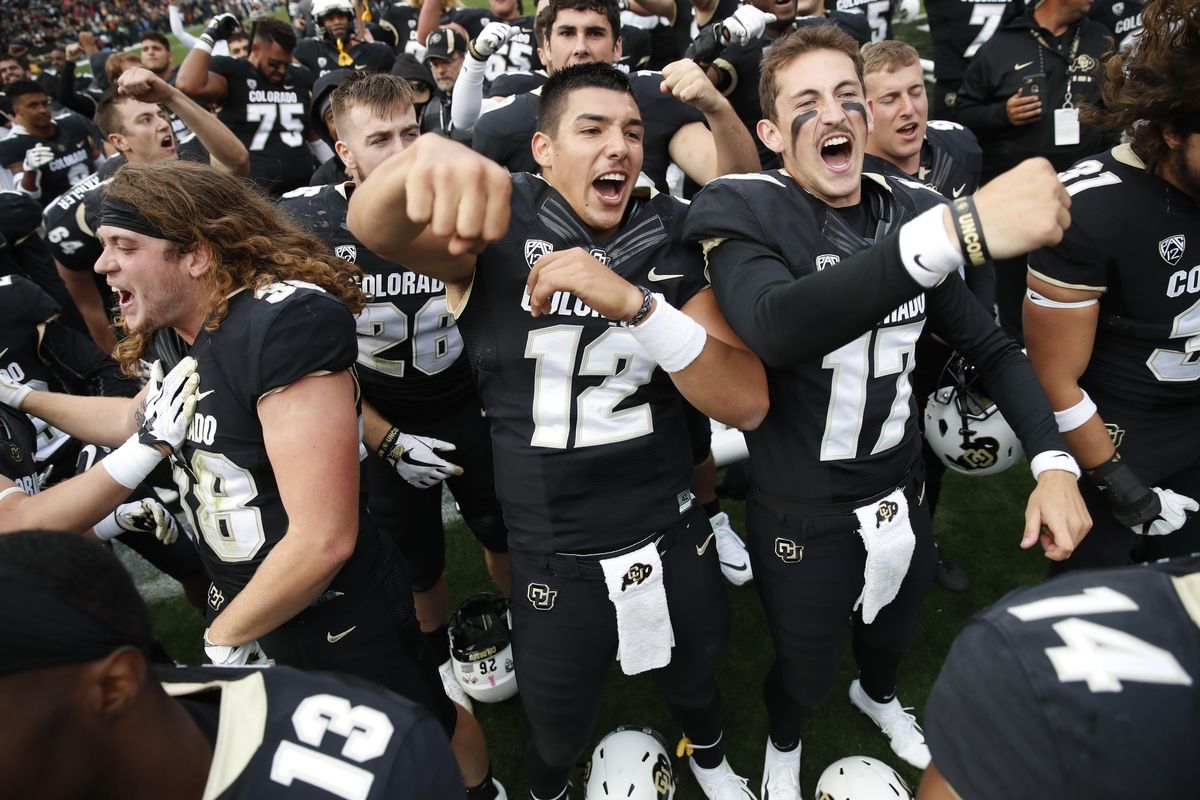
201, 395
335, 639
655, 275
959, 191
1022, 66
701, 548
734, 567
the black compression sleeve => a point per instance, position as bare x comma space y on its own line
787, 320
81, 365
958, 318
67, 96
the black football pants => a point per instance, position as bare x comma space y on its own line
565, 642
809, 571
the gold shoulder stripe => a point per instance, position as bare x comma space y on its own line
1083, 287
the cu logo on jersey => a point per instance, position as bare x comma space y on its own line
346, 252
216, 598
535, 249
1171, 248
887, 511
1118, 9
541, 596
15, 453
599, 255
636, 575
979, 453
1115, 432
826, 260
788, 551
660, 776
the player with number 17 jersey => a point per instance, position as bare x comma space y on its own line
588, 432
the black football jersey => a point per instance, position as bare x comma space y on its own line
268, 340
957, 29
1122, 17
18, 446
511, 83
283, 733
503, 133
410, 353
843, 426
70, 222
72, 162
1081, 688
1134, 237
320, 57
269, 119
950, 160
877, 12
399, 21
590, 445
518, 54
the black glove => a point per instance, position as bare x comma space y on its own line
221, 27
1132, 502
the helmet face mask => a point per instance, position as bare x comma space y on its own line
630, 763
965, 429
861, 778
481, 649
322, 9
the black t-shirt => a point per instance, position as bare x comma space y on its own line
320, 57
269, 119
268, 340
410, 353
950, 160
1082, 687
283, 733
1132, 237
590, 444
503, 133
72, 146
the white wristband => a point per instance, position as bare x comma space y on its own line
1071, 418
203, 44
1053, 459
107, 529
130, 463
926, 249
671, 337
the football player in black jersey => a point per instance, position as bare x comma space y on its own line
676, 104
414, 374
47, 154
957, 29
580, 367
1113, 308
1084, 686
263, 100
338, 43
877, 12
269, 474
156, 54
80, 673
837, 511
133, 121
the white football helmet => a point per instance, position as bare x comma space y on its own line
965, 429
861, 778
630, 763
323, 8
481, 649
907, 11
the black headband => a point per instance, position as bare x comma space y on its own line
117, 213
38, 629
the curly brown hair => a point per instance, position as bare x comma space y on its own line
1153, 84
253, 243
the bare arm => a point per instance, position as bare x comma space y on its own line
98, 420
86, 294
74, 505
725, 147
428, 20
654, 8
195, 80
317, 474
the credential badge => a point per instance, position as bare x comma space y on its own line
1171, 248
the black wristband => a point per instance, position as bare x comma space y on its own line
1131, 501
647, 302
389, 439
970, 231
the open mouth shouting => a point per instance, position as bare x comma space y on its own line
611, 188
837, 152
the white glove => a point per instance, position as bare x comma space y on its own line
414, 458
13, 393
145, 516
746, 25
1172, 517
415, 49
37, 157
491, 39
170, 402
244, 655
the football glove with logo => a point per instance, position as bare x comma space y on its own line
745, 25
491, 39
1172, 515
415, 458
244, 655
146, 516
13, 393
220, 27
37, 157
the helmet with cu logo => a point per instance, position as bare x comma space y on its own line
481, 649
861, 778
964, 428
630, 763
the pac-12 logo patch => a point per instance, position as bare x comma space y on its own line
1171, 248
535, 249
541, 596
827, 260
346, 252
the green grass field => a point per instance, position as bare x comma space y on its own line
979, 524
